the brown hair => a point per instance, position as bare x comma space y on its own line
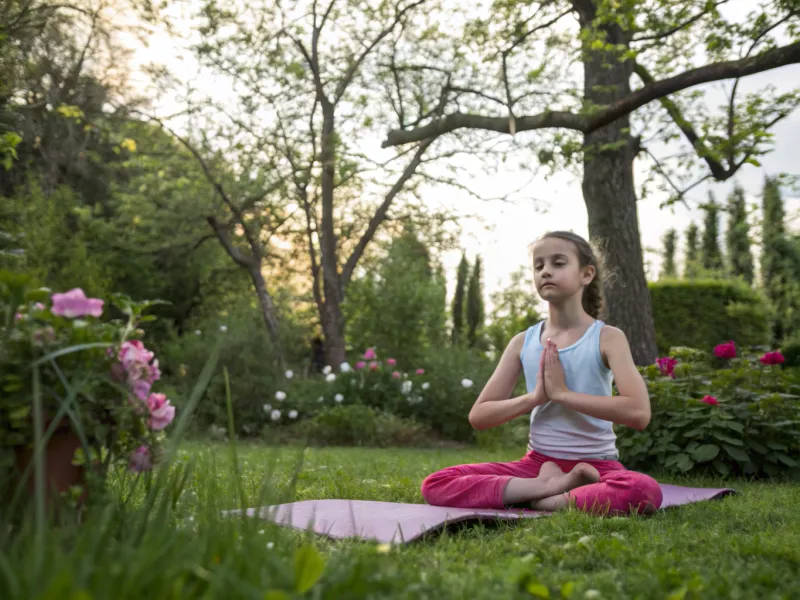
592, 299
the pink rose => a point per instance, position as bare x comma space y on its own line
74, 303
140, 460
39, 306
135, 358
373, 365
391, 362
395, 375
141, 389
370, 354
161, 411
667, 366
726, 350
772, 358
420, 371
710, 400
360, 364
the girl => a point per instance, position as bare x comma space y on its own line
569, 361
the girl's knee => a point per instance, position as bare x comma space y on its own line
431, 483
642, 493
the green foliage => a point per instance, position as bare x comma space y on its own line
703, 313
458, 299
691, 266
669, 268
737, 237
359, 425
753, 430
711, 253
399, 307
514, 310
475, 312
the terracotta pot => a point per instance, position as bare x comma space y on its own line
59, 472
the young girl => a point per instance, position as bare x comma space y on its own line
569, 361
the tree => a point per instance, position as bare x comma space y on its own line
711, 253
669, 268
475, 312
314, 80
691, 265
514, 309
458, 299
737, 237
660, 41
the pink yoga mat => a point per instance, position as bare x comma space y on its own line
394, 522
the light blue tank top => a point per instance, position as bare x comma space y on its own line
561, 432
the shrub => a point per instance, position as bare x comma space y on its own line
740, 419
702, 313
360, 425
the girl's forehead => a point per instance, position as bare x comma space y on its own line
552, 246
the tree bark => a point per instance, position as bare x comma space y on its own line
610, 195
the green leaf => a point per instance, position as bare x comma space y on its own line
775, 445
308, 568
685, 463
735, 425
276, 595
678, 594
788, 461
737, 453
706, 452
567, 590
536, 589
758, 446
728, 439
722, 468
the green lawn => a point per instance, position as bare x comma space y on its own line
747, 546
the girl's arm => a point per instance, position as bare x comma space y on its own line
631, 407
494, 405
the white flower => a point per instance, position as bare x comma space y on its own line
321, 399
275, 415
223, 328
467, 383
590, 594
326, 370
197, 332
330, 378
280, 396
270, 545
426, 385
292, 414
338, 398
406, 387
289, 374
267, 407
345, 368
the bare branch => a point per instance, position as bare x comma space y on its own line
653, 90
239, 257
673, 30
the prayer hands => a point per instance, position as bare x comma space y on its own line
555, 383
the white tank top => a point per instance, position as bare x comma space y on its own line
561, 432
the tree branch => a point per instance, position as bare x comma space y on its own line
679, 26
239, 257
653, 90
380, 214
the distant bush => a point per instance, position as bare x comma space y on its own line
358, 425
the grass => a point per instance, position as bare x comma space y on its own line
747, 546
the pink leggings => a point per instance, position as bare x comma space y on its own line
619, 491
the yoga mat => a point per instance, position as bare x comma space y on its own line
394, 522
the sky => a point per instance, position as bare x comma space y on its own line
503, 231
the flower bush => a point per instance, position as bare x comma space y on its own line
86, 375
728, 412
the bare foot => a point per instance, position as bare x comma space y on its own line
549, 470
580, 475
583, 474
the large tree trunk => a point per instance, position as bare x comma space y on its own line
268, 312
610, 195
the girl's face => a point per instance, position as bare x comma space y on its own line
557, 271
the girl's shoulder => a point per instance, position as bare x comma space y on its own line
612, 340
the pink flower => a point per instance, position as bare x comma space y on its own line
74, 303
19, 317
395, 375
667, 366
360, 364
39, 306
140, 460
141, 389
391, 362
772, 358
135, 359
46, 335
373, 365
161, 411
420, 371
370, 354
710, 400
726, 350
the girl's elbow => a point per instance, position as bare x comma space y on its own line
640, 420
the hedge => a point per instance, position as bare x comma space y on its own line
702, 313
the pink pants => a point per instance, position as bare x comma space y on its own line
619, 491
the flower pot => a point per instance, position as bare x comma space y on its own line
59, 472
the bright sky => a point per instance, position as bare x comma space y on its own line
559, 205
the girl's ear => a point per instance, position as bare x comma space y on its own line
589, 273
